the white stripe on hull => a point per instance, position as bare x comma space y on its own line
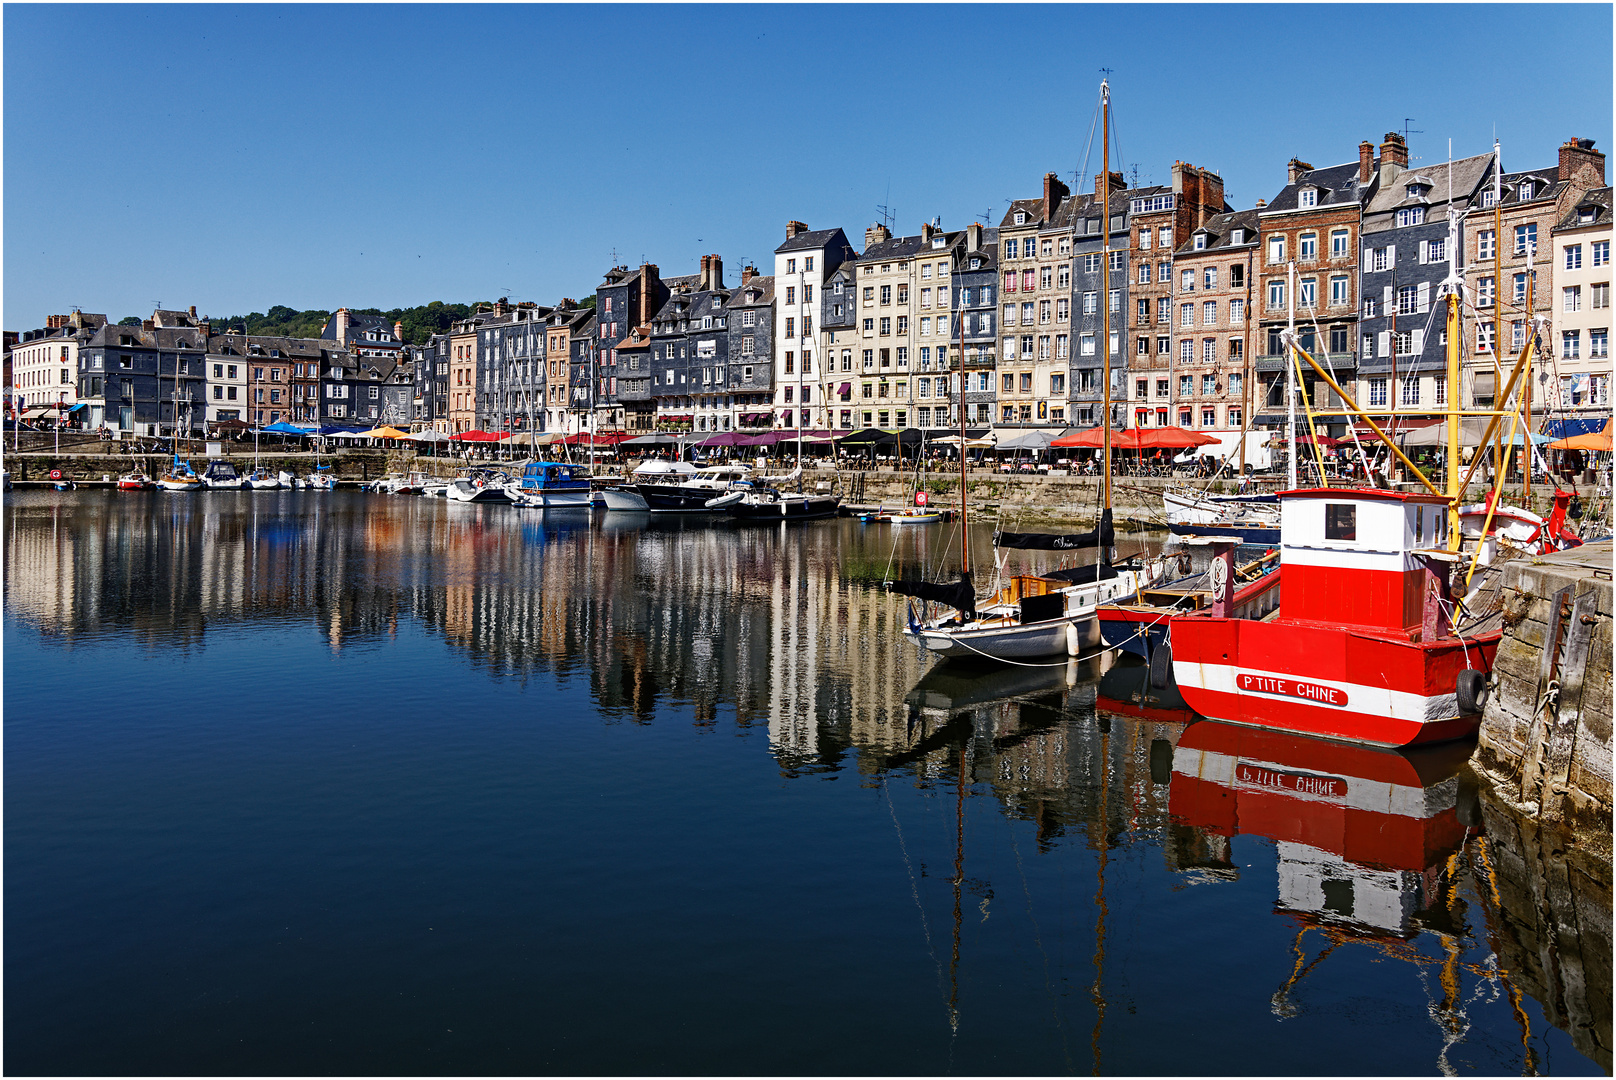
1361, 698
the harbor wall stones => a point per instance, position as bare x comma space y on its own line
1545, 742
1550, 922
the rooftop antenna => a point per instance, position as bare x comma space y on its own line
1407, 131
1135, 171
888, 215
614, 256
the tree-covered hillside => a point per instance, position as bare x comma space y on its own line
420, 322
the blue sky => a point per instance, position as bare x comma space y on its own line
236, 157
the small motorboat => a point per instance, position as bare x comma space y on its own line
221, 475
912, 517
481, 486
551, 485
321, 481
135, 481
263, 480
288, 480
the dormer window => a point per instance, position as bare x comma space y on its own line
1411, 215
937, 241
1307, 197
1021, 217
1586, 214
1200, 241
1524, 192
976, 264
1237, 236
1487, 198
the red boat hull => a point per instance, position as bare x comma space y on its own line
1334, 682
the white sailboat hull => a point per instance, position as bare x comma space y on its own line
1011, 640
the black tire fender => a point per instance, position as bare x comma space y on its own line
1161, 665
1471, 691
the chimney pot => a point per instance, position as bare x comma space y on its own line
1394, 151
793, 228
1579, 154
1294, 168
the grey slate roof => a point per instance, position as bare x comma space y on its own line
1338, 186
1218, 229
764, 283
1466, 175
814, 238
1598, 200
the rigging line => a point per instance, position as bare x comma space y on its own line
914, 886
1090, 656
1038, 940
1088, 151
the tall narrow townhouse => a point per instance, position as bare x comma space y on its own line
840, 344
624, 303
49, 374
1312, 226
227, 378
1211, 380
1582, 312
582, 345
557, 363
1164, 313
1510, 264
888, 279
801, 265
462, 415
1035, 264
750, 371
1402, 335
514, 347
975, 283
935, 352
689, 347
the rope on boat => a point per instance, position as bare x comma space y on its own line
1062, 663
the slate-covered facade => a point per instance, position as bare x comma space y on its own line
751, 350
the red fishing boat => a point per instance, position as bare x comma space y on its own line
1361, 647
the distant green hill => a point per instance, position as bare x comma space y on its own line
420, 323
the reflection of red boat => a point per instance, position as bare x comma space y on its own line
1359, 830
1361, 649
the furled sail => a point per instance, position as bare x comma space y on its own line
1103, 537
959, 594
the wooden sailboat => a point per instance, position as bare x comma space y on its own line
1034, 615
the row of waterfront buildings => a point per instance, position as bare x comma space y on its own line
1005, 321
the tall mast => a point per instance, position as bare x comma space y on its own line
802, 362
1498, 287
1451, 287
1531, 329
965, 532
1290, 374
1105, 293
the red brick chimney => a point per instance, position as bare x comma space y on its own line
398, 330
1294, 168
1394, 150
1118, 182
1579, 155
650, 286
1366, 161
795, 227
1054, 192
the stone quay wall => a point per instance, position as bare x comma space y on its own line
1546, 729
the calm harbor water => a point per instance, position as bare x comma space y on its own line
309, 783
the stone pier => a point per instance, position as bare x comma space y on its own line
1545, 733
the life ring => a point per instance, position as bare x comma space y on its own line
478, 483
56, 474
1471, 690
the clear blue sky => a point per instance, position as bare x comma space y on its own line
381, 156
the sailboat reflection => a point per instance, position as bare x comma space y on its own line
1126, 691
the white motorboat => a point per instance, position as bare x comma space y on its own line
222, 476
678, 487
288, 480
263, 480
480, 485
623, 499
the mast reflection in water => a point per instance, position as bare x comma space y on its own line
304, 782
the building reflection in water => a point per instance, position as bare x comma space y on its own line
786, 630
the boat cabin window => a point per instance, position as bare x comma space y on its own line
1340, 521
1419, 526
